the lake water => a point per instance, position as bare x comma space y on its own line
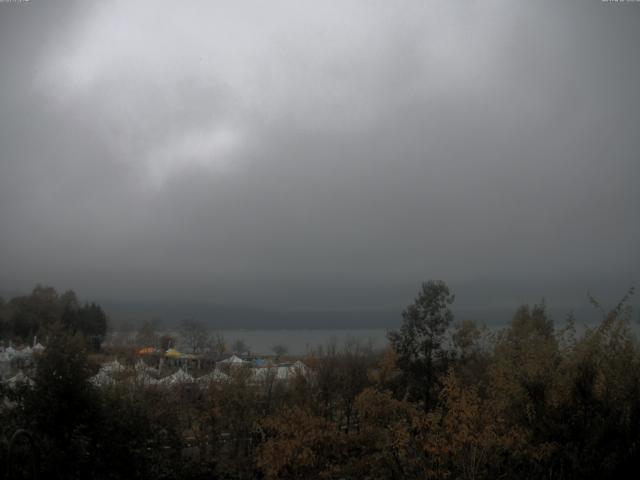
261, 342
299, 342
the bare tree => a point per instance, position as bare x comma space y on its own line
147, 335
166, 341
195, 334
219, 344
240, 347
280, 350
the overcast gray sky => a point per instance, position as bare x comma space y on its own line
320, 154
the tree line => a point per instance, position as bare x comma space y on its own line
444, 400
37, 314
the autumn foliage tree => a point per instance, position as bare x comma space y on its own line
530, 400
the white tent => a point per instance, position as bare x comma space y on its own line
22, 354
177, 378
143, 378
112, 367
215, 376
299, 368
140, 366
102, 379
262, 374
282, 372
233, 360
38, 347
19, 378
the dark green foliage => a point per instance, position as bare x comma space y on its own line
83, 432
5, 319
136, 438
38, 313
419, 343
470, 356
62, 407
88, 319
35, 313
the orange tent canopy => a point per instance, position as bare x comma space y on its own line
146, 351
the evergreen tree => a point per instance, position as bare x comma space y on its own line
419, 343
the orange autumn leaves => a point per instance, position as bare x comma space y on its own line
393, 439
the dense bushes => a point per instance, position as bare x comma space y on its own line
528, 401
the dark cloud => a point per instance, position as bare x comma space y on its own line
320, 155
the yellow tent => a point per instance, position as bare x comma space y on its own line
173, 353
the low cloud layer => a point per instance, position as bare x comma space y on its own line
320, 155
